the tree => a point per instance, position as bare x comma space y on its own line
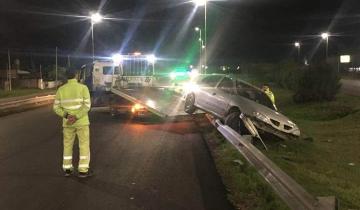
50, 72
318, 82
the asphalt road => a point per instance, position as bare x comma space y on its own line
137, 165
350, 87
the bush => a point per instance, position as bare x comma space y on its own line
287, 75
284, 74
318, 82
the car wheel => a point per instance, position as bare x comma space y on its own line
233, 121
190, 107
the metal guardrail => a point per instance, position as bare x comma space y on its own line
292, 193
25, 102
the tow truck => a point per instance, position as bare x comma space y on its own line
128, 71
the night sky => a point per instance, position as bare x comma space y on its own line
239, 30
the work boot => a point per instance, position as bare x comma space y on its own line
68, 172
85, 174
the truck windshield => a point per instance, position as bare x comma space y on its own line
108, 70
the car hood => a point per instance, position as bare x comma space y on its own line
275, 118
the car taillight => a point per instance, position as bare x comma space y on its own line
136, 108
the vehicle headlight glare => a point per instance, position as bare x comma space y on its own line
172, 75
191, 87
150, 103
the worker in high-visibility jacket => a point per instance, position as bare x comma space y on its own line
72, 104
269, 93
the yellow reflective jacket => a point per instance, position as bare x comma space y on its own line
270, 95
73, 98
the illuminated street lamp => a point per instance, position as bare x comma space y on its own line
200, 2
325, 36
298, 46
203, 3
95, 18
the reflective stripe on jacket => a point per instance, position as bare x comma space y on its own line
73, 98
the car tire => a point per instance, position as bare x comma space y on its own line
190, 107
233, 121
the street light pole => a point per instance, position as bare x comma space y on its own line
92, 41
56, 67
325, 36
9, 73
205, 38
298, 46
203, 3
95, 18
200, 44
327, 48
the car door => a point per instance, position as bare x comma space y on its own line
219, 97
207, 86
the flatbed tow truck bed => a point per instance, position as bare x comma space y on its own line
161, 101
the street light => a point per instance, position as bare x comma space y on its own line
95, 18
203, 3
325, 36
200, 2
298, 46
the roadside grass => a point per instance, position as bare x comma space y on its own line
325, 161
21, 92
330, 163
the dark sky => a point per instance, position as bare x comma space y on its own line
241, 30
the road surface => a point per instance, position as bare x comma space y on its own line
350, 87
137, 165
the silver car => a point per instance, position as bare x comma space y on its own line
227, 98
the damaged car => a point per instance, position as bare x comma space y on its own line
232, 100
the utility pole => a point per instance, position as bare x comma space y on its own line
9, 72
40, 82
56, 67
68, 61
40, 72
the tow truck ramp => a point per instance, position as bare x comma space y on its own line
159, 100
167, 104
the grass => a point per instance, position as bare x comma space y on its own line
325, 163
21, 92
330, 164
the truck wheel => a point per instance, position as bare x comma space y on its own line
190, 107
233, 121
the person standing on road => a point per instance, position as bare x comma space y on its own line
269, 93
72, 103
